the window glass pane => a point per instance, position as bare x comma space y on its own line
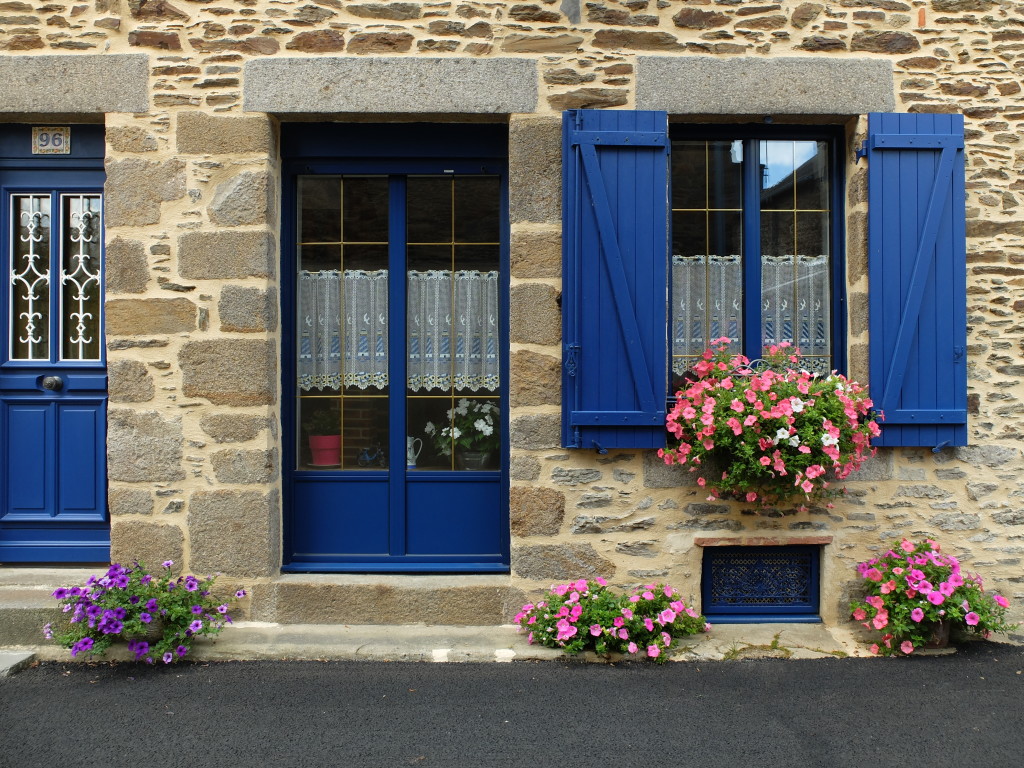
812, 179
81, 243
777, 159
319, 209
29, 237
725, 174
365, 209
476, 209
689, 174
429, 209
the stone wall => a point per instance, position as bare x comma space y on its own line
192, 248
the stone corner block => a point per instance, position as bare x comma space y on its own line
247, 310
128, 381
560, 562
535, 431
135, 188
535, 169
245, 467
535, 379
125, 268
383, 84
234, 532
536, 253
226, 255
230, 371
246, 198
141, 317
80, 83
232, 427
143, 447
202, 134
150, 543
536, 511
754, 85
535, 315
126, 500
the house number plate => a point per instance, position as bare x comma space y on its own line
51, 141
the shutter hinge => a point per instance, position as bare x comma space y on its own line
577, 439
863, 151
571, 364
958, 354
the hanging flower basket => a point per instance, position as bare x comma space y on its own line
768, 432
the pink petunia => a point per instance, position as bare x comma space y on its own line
946, 588
653, 651
595, 629
936, 598
648, 595
907, 546
972, 619
873, 574
649, 624
874, 649
632, 647
917, 614
907, 647
881, 620
875, 601
860, 614
1001, 601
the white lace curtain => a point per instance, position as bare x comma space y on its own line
452, 331
707, 295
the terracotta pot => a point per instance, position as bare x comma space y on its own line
325, 450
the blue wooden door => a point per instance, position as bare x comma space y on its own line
395, 372
52, 368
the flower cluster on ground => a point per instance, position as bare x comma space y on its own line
588, 615
912, 588
472, 426
157, 614
769, 433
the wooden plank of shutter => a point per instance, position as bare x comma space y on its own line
917, 255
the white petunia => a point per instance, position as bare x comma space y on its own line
797, 403
781, 434
828, 439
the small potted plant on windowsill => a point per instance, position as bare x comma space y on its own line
472, 430
323, 428
770, 432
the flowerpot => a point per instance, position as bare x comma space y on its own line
940, 635
472, 460
325, 450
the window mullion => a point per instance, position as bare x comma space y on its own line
752, 248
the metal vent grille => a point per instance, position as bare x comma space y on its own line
761, 583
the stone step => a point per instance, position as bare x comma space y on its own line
451, 599
26, 601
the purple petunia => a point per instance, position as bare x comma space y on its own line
197, 609
145, 618
191, 584
181, 651
195, 626
60, 593
222, 609
151, 604
168, 563
134, 599
146, 579
168, 657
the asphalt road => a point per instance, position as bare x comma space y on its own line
966, 709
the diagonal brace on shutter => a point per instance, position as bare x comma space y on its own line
612, 258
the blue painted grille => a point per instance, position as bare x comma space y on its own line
760, 583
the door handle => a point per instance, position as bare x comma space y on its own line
53, 383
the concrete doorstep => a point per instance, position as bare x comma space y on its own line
432, 643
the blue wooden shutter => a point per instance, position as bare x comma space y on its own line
615, 263
917, 277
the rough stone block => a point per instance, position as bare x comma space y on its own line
231, 427
247, 198
575, 476
535, 431
588, 98
535, 315
88, 83
245, 467
986, 455
658, 474
230, 371
130, 138
202, 134
128, 381
247, 310
518, 43
125, 270
149, 543
560, 562
536, 253
122, 500
226, 255
143, 447
135, 188
139, 317
535, 379
390, 84
235, 532
536, 511
535, 169
879, 467
761, 86
525, 468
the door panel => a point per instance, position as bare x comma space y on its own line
52, 372
406, 477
